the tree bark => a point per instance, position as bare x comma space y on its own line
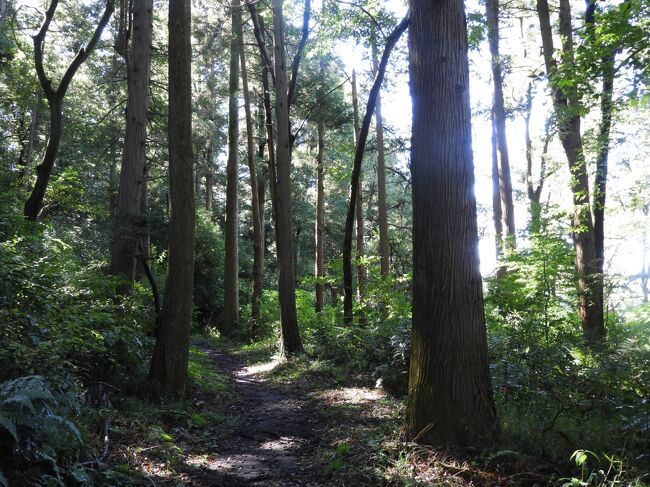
168, 371
499, 113
356, 169
55, 100
129, 217
231, 271
258, 244
291, 343
382, 206
450, 395
566, 104
209, 181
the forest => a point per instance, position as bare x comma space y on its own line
324, 243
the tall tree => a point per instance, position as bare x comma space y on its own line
54, 99
231, 272
319, 261
499, 114
168, 371
382, 206
450, 394
361, 268
391, 40
258, 243
291, 342
567, 108
129, 218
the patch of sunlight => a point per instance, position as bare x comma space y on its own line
260, 368
280, 444
197, 460
351, 395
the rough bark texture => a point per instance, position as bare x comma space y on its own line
319, 270
356, 169
129, 219
258, 244
382, 206
590, 282
450, 395
231, 271
499, 113
55, 101
209, 180
168, 372
291, 342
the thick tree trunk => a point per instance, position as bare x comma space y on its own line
168, 372
291, 343
231, 271
258, 244
319, 270
382, 206
55, 100
356, 169
129, 217
590, 282
499, 113
450, 394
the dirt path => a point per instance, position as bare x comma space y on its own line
273, 444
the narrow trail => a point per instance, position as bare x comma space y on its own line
273, 444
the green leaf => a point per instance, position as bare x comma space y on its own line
9, 425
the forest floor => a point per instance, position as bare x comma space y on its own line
254, 420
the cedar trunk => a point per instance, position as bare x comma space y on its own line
258, 244
291, 343
499, 114
129, 220
168, 371
566, 104
231, 271
450, 395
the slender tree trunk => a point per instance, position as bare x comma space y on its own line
602, 156
356, 169
382, 206
361, 268
320, 218
450, 394
497, 213
535, 192
129, 218
168, 372
258, 245
231, 272
498, 109
209, 181
291, 342
590, 283
29, 150
55, 100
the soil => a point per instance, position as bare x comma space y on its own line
303, 432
